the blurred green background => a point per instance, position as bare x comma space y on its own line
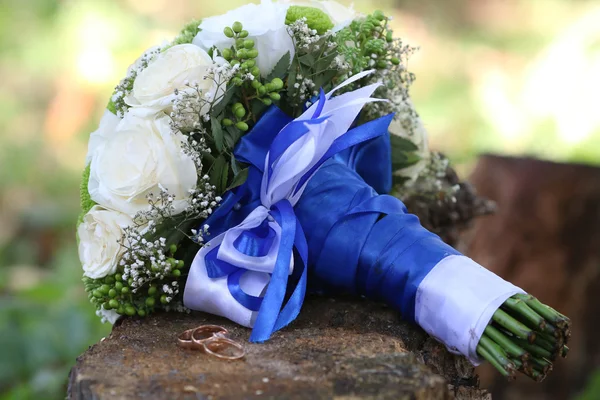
504, 76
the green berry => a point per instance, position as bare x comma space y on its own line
269, 87
173, 248
275, 96
119, 277
239, 43
125, 290
228, 32
267, 102
237, 27
242, 53
155, 267
118, 286
141, 313
176, 273
277, 84
152, 290
121, 310
256, 84
381, 64
395, 61
237, 81
250, 63
249, 44
98, 294
150, 301
113, 303
112, 293
163, 299
262, 90
240, 112
242, 126
243, 34
104, 289
378, 14
227, 122
109, 279
227, 54
180, 264
252, 53
130, 310
234, 62
255, 71
389, 36
172, 261
235, 106
130, 281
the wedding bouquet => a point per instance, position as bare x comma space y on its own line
251, 158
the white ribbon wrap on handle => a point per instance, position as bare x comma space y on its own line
456, 300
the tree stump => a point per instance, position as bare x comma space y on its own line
544, 237
337, 348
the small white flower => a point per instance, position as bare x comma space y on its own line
265, 23
99, 235
143, 156
109, 316
155, 86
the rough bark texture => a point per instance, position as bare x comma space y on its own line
545, 237
338, 348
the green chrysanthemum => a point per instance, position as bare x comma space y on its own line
84, 195
315, 19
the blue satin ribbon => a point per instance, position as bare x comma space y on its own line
352, 239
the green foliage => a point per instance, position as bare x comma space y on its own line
315, 18
84, 195
188, 33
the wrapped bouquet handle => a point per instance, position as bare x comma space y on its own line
351, 238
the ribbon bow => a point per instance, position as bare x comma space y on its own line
242, 274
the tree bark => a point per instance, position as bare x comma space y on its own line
337, 348
545, 238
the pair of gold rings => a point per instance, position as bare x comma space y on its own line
212, 340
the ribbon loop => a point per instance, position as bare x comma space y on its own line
244, 276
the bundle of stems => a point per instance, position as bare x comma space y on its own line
525, 335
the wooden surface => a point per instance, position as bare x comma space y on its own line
342, 349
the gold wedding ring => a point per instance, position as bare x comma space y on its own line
212, 340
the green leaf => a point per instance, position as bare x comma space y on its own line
402, 144
232, 136
406, 160
239, 179
219, 174
258, 107
307, 59
281, 68
217, 133
224, 102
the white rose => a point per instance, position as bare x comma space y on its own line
405, 118
143, 155
265, 23
99, 236
108, 126
154, 87
340, 15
